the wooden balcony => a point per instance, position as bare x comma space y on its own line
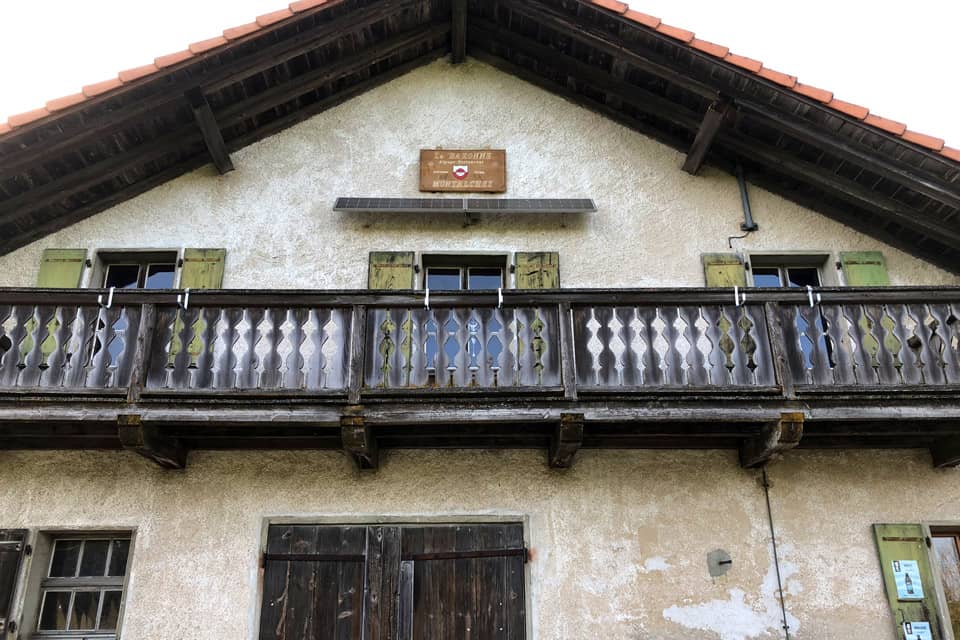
362, 370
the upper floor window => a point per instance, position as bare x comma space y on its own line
464, 272
139, 270
787, 270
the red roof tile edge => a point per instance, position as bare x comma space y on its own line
717, 51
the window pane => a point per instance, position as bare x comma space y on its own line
443, 279
85, 606
94, 561
53, 615
118, 561
65, 555
803, 276
111, 610
766, 277
484, 278
122, 276
159, 276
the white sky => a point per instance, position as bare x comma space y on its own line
896, 58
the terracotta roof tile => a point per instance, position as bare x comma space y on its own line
890, 126
24, 118
242, 30
97, 88
675, 32
950, 152
612, 5
4, 128
744, 62
206, 45
779, 77
816, 93
139, 72
65, 101
172, 58
715, 50
643, 18
303, 5
268, 19
923, 140
853, 110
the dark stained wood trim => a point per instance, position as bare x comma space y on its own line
775, 439
359, 442
150, 442
145, 333
568, 371
713, 119
212, 136
458, 35
566, 441
946, 452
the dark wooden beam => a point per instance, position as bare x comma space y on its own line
946, 452
773, 440
713, 119
566, 441
150, 442
212, 137
458, 35
358, 440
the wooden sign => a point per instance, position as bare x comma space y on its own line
476, 170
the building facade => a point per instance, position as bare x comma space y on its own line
654, 429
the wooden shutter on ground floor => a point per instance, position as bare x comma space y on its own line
537, 270
907, 542
864, 269
391, 270
395, 582
724, 270
12, 549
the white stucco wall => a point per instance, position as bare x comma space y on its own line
274, 213
620, 540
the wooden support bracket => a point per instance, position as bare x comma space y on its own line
212, 136
946, 452
566, 441
775, 438
458, 33
713, 119
358, 441
150, 442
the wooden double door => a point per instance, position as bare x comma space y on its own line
402, 582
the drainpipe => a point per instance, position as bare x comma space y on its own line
748, 225
776, 558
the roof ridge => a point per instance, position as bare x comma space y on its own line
684, 36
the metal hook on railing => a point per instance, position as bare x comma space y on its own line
810, 295
499, 297
184, 301
109, 299
426, 299
739, 298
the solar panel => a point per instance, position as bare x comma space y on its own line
468, 205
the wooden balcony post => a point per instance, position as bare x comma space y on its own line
358, 335
141, 354
778, 349
568, 371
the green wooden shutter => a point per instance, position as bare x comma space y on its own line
537, 270
899, 542
61, 268
12, 549
202, 269
391, 270
864, 269
724, 270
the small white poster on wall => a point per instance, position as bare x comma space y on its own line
917, 631
906, 573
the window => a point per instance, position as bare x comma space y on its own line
788, 270
464, 272
81, 591
138, 270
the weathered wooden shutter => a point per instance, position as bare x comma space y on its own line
906, 542
61, 268
202, 269
864, 269
13, 543
724, 270
391, 270
537, 270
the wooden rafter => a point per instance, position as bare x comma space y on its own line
458, 36
358, 441
212, 136
713, 119
150, 442
773, 440
567, 440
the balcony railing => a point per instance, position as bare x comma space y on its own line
367, 345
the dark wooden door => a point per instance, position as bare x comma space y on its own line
396, 582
